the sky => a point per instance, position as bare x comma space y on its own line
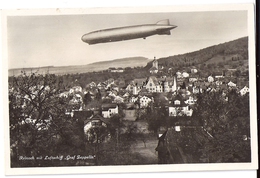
55, 40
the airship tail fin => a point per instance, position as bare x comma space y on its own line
163, 22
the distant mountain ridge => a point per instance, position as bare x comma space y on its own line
97, 66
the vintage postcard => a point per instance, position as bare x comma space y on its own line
140, 89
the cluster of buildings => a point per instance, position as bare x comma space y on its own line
177, 94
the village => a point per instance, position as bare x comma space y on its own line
176, 95
156, 119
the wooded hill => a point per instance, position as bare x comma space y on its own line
229, 51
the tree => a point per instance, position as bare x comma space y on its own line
98, 95
226, 117
87, 98
38, 124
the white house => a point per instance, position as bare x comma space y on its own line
133, 99
114, 70
193, 71
112, 94
152, 84
210, 79
64, 95
193, 79
144, 101
190, 100
108, 110
179, 74
231, 84
130, 87
75, 89
179, 108
185, 74
244, 90
118, 99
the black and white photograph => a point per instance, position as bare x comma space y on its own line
144, 89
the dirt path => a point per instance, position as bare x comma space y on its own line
147, 152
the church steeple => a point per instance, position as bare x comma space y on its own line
154, 68
155, 63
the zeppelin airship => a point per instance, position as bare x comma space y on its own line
162, 27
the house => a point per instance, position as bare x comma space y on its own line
133, 99
64, 95
101, 85
144, 101
126, 95
190, 100
179, 74
185, 74
130, 87
218, 82
194, 71
154, 85
120, 70
118, 99
218, 75
135, 86
91, 85
114, 87
193, 79
110, 81
171, 149
96, 121
76, 99
244, 90
112, 93
108, 110
169, 84
114, 70
195, 89
210, 79
178, 107
75, 89
231, 84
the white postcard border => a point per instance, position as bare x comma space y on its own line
144, 168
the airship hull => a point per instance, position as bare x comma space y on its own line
127, 33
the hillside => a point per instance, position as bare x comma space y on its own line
98, 66
225, 52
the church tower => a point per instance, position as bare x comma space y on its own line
154, 68
155, 63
